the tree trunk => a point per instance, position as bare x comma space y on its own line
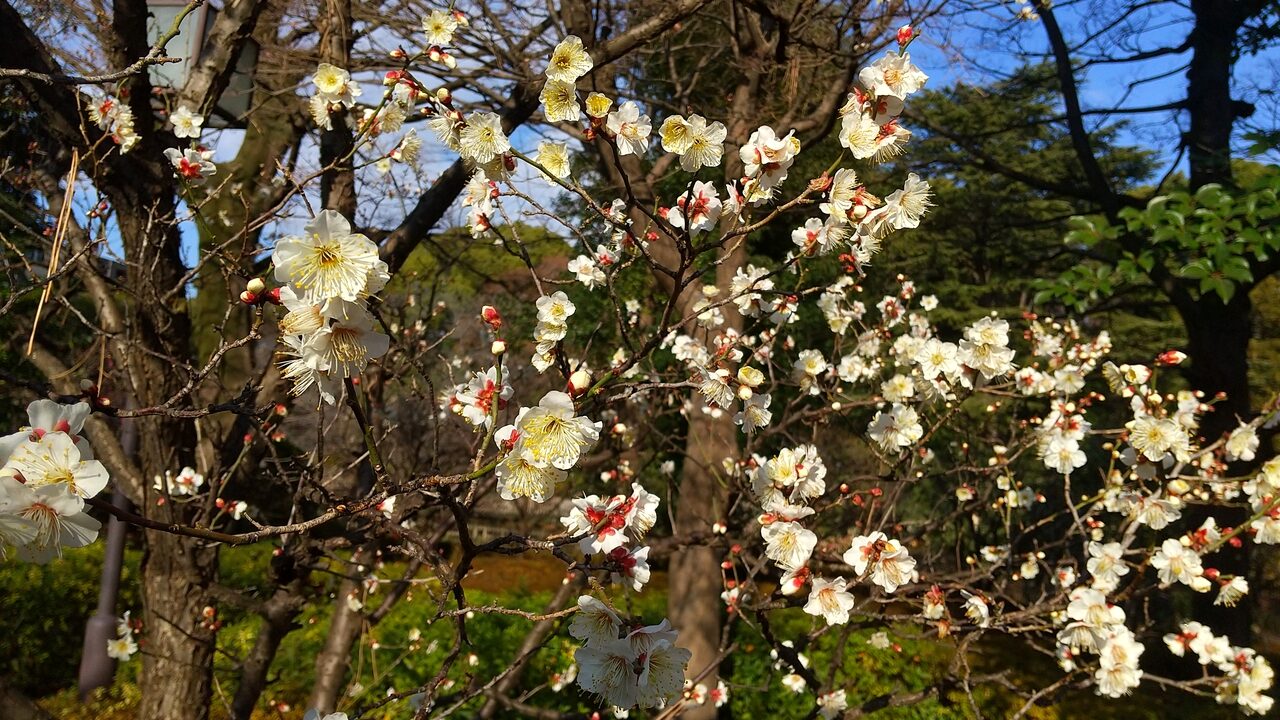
178, 647
694, 575
1209, 91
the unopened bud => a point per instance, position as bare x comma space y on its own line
491, 316
579, 381
1171, 357
248, 298
449, 61
905, 34
498, 347
256, 286
444, 96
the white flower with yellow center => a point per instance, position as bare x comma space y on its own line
554, 158
594, 621
555, 309
297, 369
706, 144
553, 434
860, 134
560, 100
329, 262
904, 208
481, 139
788, 544
521, 475
598, 104
439, 27
677, 134
55, 460
894, 75
345, 347
334, 85
889, 564
186, 124
1154, 437
829, 599
56, 515
844, 186
630, 128
569, 61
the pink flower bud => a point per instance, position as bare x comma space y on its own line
905, 34
491, 316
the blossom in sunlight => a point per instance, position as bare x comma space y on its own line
788, 544
345, 346
904, 208
594, 621
629, 566
698, 208
1118, 671
520, 474
768, 157
334, 85
481, 139
193, 166
894, 75
569, 61
55, 460
439, 27
186, 124
329, 261
831, 705
408, 149
587, 272
554, 158
598, 104
755, 413
630, 128
890, 565
121, 648
697, 143
606, 522
830, 600
560, 100
47, 416
554, 434
1242, 444
1176, 563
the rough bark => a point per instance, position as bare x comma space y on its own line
178, 648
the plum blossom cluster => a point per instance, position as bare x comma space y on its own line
1246, 675
47, 471
123, 646
606, 524
625, 663
328, 333
193, 165
114, 116
541, 445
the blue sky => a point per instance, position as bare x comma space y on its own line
978, 48
975, 48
